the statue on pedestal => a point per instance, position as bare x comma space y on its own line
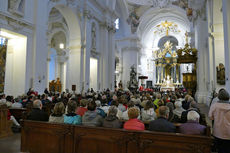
220, 74
133, 84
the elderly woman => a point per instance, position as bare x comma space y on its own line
133, 123
220, 113
71, 117
111, 121
192, 126
58, 113
178, 110
148, 113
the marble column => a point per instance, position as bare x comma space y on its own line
130, 58
111, 56
104, 63
40, 47
226, 20
201, 43
175, 75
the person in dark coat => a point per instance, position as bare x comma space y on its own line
161, 124
111, 121
192, 126
37, 114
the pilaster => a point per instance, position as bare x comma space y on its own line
226, 19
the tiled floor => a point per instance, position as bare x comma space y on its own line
10, 144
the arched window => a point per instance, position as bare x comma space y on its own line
117, 23
52, 64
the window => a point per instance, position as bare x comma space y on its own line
117, 22
2, 41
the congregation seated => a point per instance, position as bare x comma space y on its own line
133, 123
91, 117
71, 117
192, 126
148, 114
99, 109
17, 103
171, 117
186, 103
125, 113
83, 107
37, 113
193, 106
161, 124
58, 113
178, 110
111, 120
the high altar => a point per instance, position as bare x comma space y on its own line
168, 73
168, 67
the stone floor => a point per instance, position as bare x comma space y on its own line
12, 144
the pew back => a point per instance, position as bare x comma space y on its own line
5, 124
42, 137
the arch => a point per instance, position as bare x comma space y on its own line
164, 39
154, 16
71, 68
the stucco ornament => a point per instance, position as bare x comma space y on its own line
14, 4
16, 7
93, 35
141, 2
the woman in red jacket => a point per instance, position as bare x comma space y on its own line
133, 123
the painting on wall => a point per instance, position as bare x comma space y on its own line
3, 47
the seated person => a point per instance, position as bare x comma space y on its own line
161, 124
58, 113
193, 107
17, 103
37, 113
71, 117
125, 113
178, 111
133, 123
192, 126
83, 107
112, 121
91, 117
99, 109
148, 113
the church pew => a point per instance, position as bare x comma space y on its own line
18, 113
5, 124
43, 137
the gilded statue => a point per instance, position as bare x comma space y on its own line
220, 74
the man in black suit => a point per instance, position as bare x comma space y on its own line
162, 124
37, 114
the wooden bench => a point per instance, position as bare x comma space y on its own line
44, 137
5, 124
18, 113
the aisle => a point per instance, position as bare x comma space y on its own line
10, 144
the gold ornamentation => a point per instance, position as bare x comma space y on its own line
166, 27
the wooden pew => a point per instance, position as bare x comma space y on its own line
5, 124
18, 113
44, 137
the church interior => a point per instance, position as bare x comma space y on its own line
143, 76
